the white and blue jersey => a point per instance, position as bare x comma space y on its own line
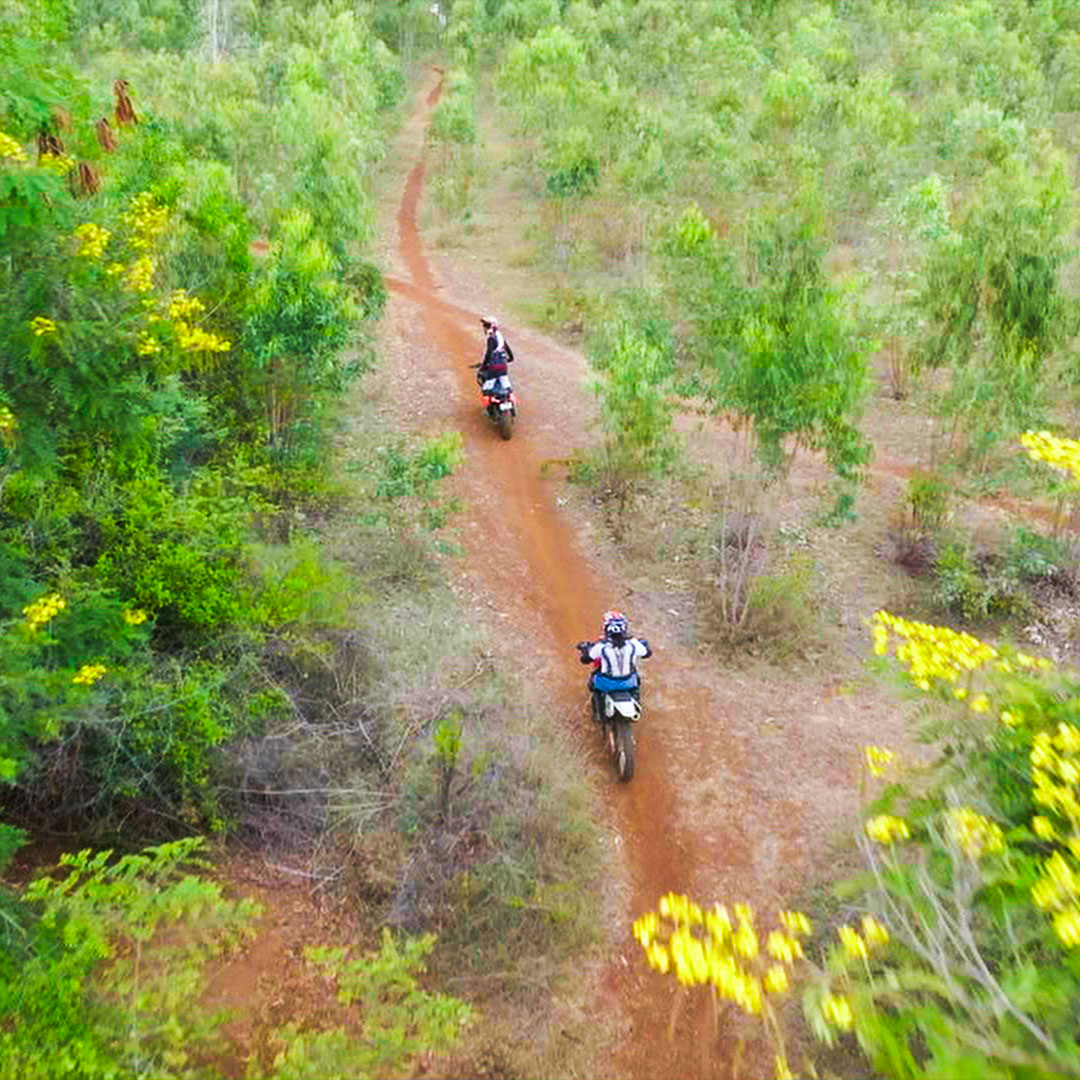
618, 663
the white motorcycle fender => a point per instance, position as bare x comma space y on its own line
628, 708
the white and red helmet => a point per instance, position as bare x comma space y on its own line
615, 624
489, 322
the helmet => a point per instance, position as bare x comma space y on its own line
615, 624
489, 322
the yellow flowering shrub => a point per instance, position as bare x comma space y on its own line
1052, 450
139, 276
42, 326
58, 164
43, 610
9, 427
181, 306
11, 149
89, 674
193, 339
978, 868
723, 952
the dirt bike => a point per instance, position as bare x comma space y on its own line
500, 402
616, 712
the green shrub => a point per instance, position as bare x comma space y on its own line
973, 592
1033, 557
927, 500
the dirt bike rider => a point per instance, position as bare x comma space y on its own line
497, 352
614, 658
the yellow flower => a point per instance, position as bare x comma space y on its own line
89, 674
781, 1068
658, 957
146, 219
92, 240
8, 423
42, 326
854, 946
1067, 927
877, 758
776, 979
140, 275
1057, 887
147, 345
932, 653
974, 834
11, 148
58, 165
795, 922
43, 610
1067, 738
782, 947
1058, 453
838, 1011
193, 339
718, 923
135, 616
114, 269
980, 703
745, 940
875, 933
885, 828
182, 306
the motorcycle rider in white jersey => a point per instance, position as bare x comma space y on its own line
614, 658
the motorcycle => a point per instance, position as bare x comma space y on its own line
616, 712
500, 402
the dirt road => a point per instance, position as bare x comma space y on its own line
740, 779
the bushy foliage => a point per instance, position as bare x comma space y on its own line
104, 967
634, 354
105, 964
775, 342
166, 379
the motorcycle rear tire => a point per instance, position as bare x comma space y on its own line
624, 750
506, 424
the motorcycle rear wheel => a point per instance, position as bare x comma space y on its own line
624, 750
506, 424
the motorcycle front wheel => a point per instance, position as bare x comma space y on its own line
624, 750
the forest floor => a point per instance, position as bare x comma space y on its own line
747, 777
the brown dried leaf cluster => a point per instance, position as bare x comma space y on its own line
125, 111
